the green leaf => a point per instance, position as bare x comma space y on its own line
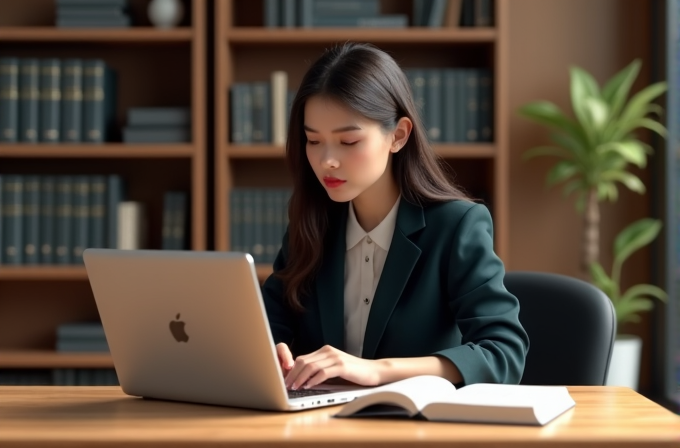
632, 151
548, 114
629, 180
636, 108
601, 279
546, 151
598, 112
572, 186
583, 86
644, 290
637, 235
561, 171
653, 126
628, 311
616, 90
569, 142
607, 190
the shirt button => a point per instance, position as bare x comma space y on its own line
369, 240
366, 258
366, 300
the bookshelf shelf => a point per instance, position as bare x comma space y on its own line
131, 35
48, 359
255, 152
47, 273
283, 36
108, 150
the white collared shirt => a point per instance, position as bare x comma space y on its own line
364, 262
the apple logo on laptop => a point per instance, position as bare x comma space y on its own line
177, 330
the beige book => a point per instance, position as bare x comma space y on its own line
279, 91
453, 9
131, 225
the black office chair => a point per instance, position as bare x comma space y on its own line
571, 326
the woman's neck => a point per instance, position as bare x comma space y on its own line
372, 206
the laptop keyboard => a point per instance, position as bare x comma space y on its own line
307, 392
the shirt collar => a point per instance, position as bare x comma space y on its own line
382, 234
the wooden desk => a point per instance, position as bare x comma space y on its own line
104, 416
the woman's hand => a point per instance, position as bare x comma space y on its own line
327, 362
285, 358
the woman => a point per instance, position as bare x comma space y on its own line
387, 270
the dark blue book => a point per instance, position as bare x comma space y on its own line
94, 22
421, 12
99, 101
449, 114
272, 13
235, 220
257, 247
461, 110
68, 345
29, 100
483, 12
248, 219
261, 113
289, 13
81, 330
31, 219
48, 191
241, 113
355, 8
97, 211
467, 14
417, 81
159, 116
433, 103
9, 100
306, 13
13, 187
50, 100
72, 101
471, 100
115, 195
382, 21
436, 13
156, 134
64, 220
2, 219
81, 217
180, 212
168, 221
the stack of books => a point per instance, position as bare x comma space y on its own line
81, 337
329, 13
158, 125
92, 14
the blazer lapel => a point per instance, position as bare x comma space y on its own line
330, 285
401, 259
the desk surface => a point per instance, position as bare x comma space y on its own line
99, 416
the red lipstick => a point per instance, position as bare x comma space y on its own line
332, 182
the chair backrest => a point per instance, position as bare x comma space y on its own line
571, 326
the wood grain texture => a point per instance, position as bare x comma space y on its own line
50, 359
104, 416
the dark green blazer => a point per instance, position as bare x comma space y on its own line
441, 293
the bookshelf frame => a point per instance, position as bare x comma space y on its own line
34, 283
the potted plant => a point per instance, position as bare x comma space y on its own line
596, 149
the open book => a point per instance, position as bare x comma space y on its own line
436, 399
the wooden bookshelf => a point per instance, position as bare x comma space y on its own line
156, 68
246, 51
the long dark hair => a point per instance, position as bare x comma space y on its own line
370, 82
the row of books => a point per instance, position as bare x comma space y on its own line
259, 111
329, 13
54, 100
258, 221
81, 337
367, 13
92, 14
58, 377
456, 105
47, 219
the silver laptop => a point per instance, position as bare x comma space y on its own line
191, 326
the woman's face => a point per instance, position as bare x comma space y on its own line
348, 153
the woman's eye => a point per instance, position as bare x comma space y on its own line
348, 143
312, 142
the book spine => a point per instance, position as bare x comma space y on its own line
258, 224
97, 211
235, 220
272, 13
93, 22
179, 232
81, 217
279, 90
417, 80
168, 215
9, 100
156, 134
306, 13
159, 116
261, 94
241, 110
50, 100
383, 21
2, 219
93, 100
467, 16
471, 105
483, 12
115, 195
460, 105
71, 101
64, 220
248, 220
31, 219
47, 219
29, 99
270, 225
453, 11
131, 225
89, 3
85, 330
433, 103
449, 113
437, 13
14, 191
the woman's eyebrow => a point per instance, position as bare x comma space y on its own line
352, 127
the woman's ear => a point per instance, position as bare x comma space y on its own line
401, 133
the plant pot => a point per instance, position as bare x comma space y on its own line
624, 368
